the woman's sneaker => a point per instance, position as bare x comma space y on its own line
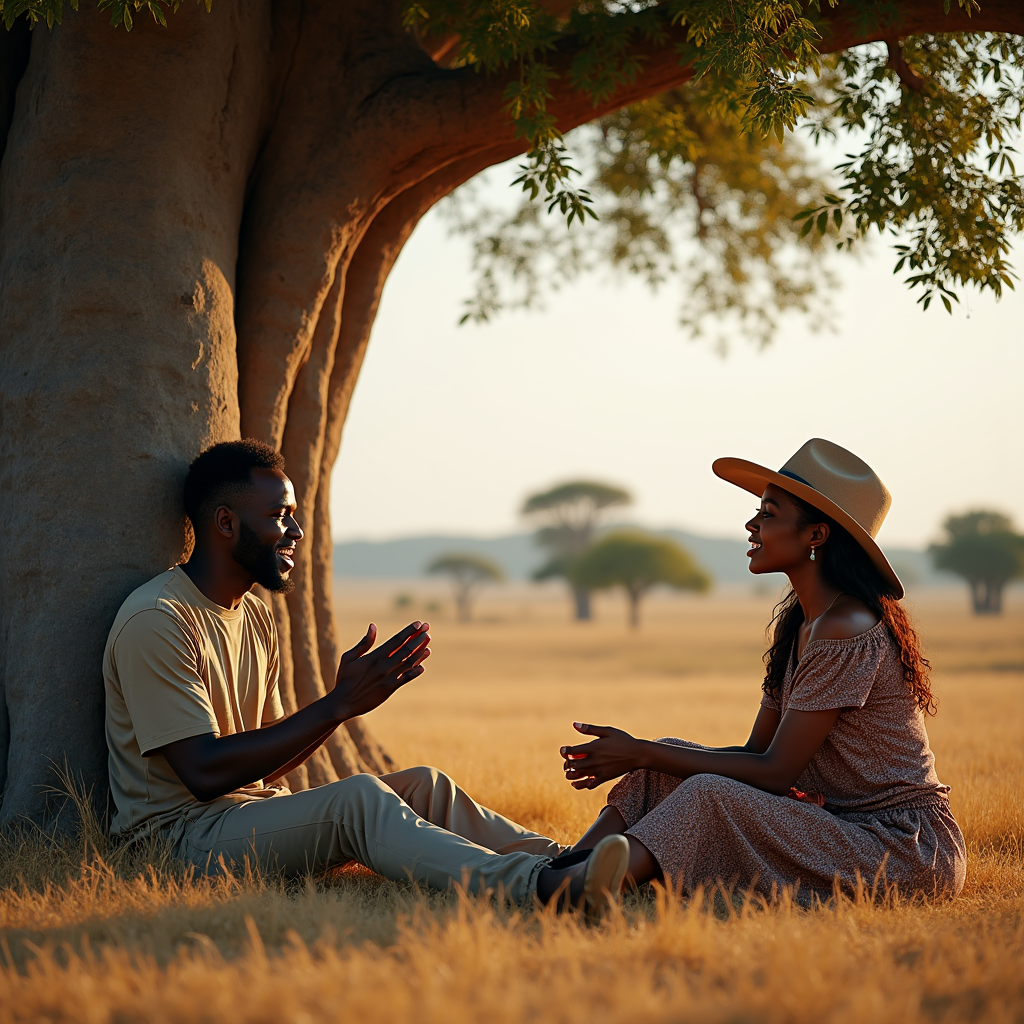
606, 870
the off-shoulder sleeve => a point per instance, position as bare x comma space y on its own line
836, 673
768, 701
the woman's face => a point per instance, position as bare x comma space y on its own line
778, 542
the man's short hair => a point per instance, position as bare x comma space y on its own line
223, 470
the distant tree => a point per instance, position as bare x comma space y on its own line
468, 572
984, 549
571, 512
638, 561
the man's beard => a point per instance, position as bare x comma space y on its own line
259, 560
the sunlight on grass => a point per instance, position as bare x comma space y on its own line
89, 933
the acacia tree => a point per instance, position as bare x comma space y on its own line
571, 512
638, 561
984, 549
468, 572
197, 219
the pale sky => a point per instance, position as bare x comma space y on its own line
450, 427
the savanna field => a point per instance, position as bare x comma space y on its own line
86, 935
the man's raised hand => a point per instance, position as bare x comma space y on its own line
366, 677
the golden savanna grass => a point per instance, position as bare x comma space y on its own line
109, 940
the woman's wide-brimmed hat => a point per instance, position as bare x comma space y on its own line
831, 479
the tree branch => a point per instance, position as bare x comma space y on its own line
479, 98
908, 76
408, 119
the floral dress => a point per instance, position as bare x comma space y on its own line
870, 805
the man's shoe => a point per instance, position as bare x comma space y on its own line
606, 869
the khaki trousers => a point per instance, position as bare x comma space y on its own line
411, 825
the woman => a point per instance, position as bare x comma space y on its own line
836, 784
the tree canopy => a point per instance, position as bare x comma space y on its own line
983, 548
933, 118
468, 571
576, 503
571, 513
638, 561
681, 194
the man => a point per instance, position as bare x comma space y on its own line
198, 740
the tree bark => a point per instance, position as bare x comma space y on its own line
120, 218
298, 141
581, 599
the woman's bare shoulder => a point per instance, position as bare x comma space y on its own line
847, 618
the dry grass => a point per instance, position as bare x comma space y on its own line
112, 940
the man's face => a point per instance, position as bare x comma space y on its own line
268, 531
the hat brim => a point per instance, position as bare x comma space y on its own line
754, 478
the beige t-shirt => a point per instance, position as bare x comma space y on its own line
178, 665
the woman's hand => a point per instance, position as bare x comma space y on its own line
612, 754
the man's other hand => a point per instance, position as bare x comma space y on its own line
366, 677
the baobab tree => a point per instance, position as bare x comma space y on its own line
197, 218
571, 513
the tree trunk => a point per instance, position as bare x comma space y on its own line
581, 599
634, 606
987, 597
118, 362
298, 141
463, 601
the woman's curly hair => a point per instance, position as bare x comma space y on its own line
847, 567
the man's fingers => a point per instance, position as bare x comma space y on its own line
409, 664
392, 644
408, 677
389, 646
417, 657
408, 650
422, 654
363, 646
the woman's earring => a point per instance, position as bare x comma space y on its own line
812, 553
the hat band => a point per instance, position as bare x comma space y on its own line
798, 479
